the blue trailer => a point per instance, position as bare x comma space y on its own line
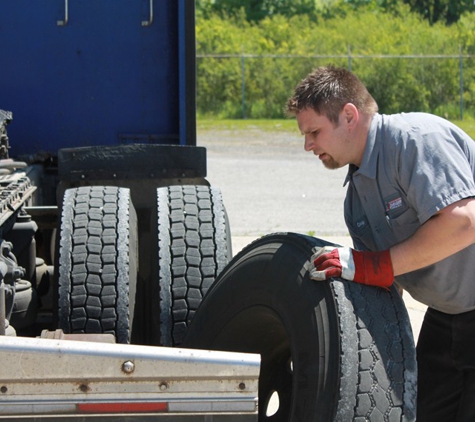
84, 73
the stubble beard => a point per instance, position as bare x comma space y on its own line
330, 163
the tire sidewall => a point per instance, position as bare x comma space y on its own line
273, 281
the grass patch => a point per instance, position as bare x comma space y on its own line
285, 125
467, 126
266, 125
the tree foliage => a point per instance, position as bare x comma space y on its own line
255, 66
257, 10
446, 11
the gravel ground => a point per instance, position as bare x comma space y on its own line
270, 184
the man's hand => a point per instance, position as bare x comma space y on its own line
372, 268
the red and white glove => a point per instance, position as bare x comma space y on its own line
372, 268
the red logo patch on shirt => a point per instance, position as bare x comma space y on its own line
394, 204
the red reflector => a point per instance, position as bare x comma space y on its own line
122, 407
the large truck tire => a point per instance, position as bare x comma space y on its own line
97, 264
194, 246
331, 351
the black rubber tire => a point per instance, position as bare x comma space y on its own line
331, 351
194, 246
97, 272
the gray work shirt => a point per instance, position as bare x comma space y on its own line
414, 165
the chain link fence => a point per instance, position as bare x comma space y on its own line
257, 86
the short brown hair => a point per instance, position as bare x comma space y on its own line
326, 90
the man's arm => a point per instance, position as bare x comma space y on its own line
447, 232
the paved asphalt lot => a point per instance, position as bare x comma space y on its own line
270, 184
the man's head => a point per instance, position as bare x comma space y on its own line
326, 91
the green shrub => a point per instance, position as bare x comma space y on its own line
261, 63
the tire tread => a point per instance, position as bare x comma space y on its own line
95, 263
193, 249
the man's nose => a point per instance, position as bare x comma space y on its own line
309, 144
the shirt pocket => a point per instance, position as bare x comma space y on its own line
404, 225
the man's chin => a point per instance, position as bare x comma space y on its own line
331, 164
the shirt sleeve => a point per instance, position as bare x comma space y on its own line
435, 169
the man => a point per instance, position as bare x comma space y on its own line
410, 210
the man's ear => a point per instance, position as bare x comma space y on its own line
350, 115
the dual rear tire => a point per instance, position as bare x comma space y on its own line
98, 255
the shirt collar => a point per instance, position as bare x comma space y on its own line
369, 162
